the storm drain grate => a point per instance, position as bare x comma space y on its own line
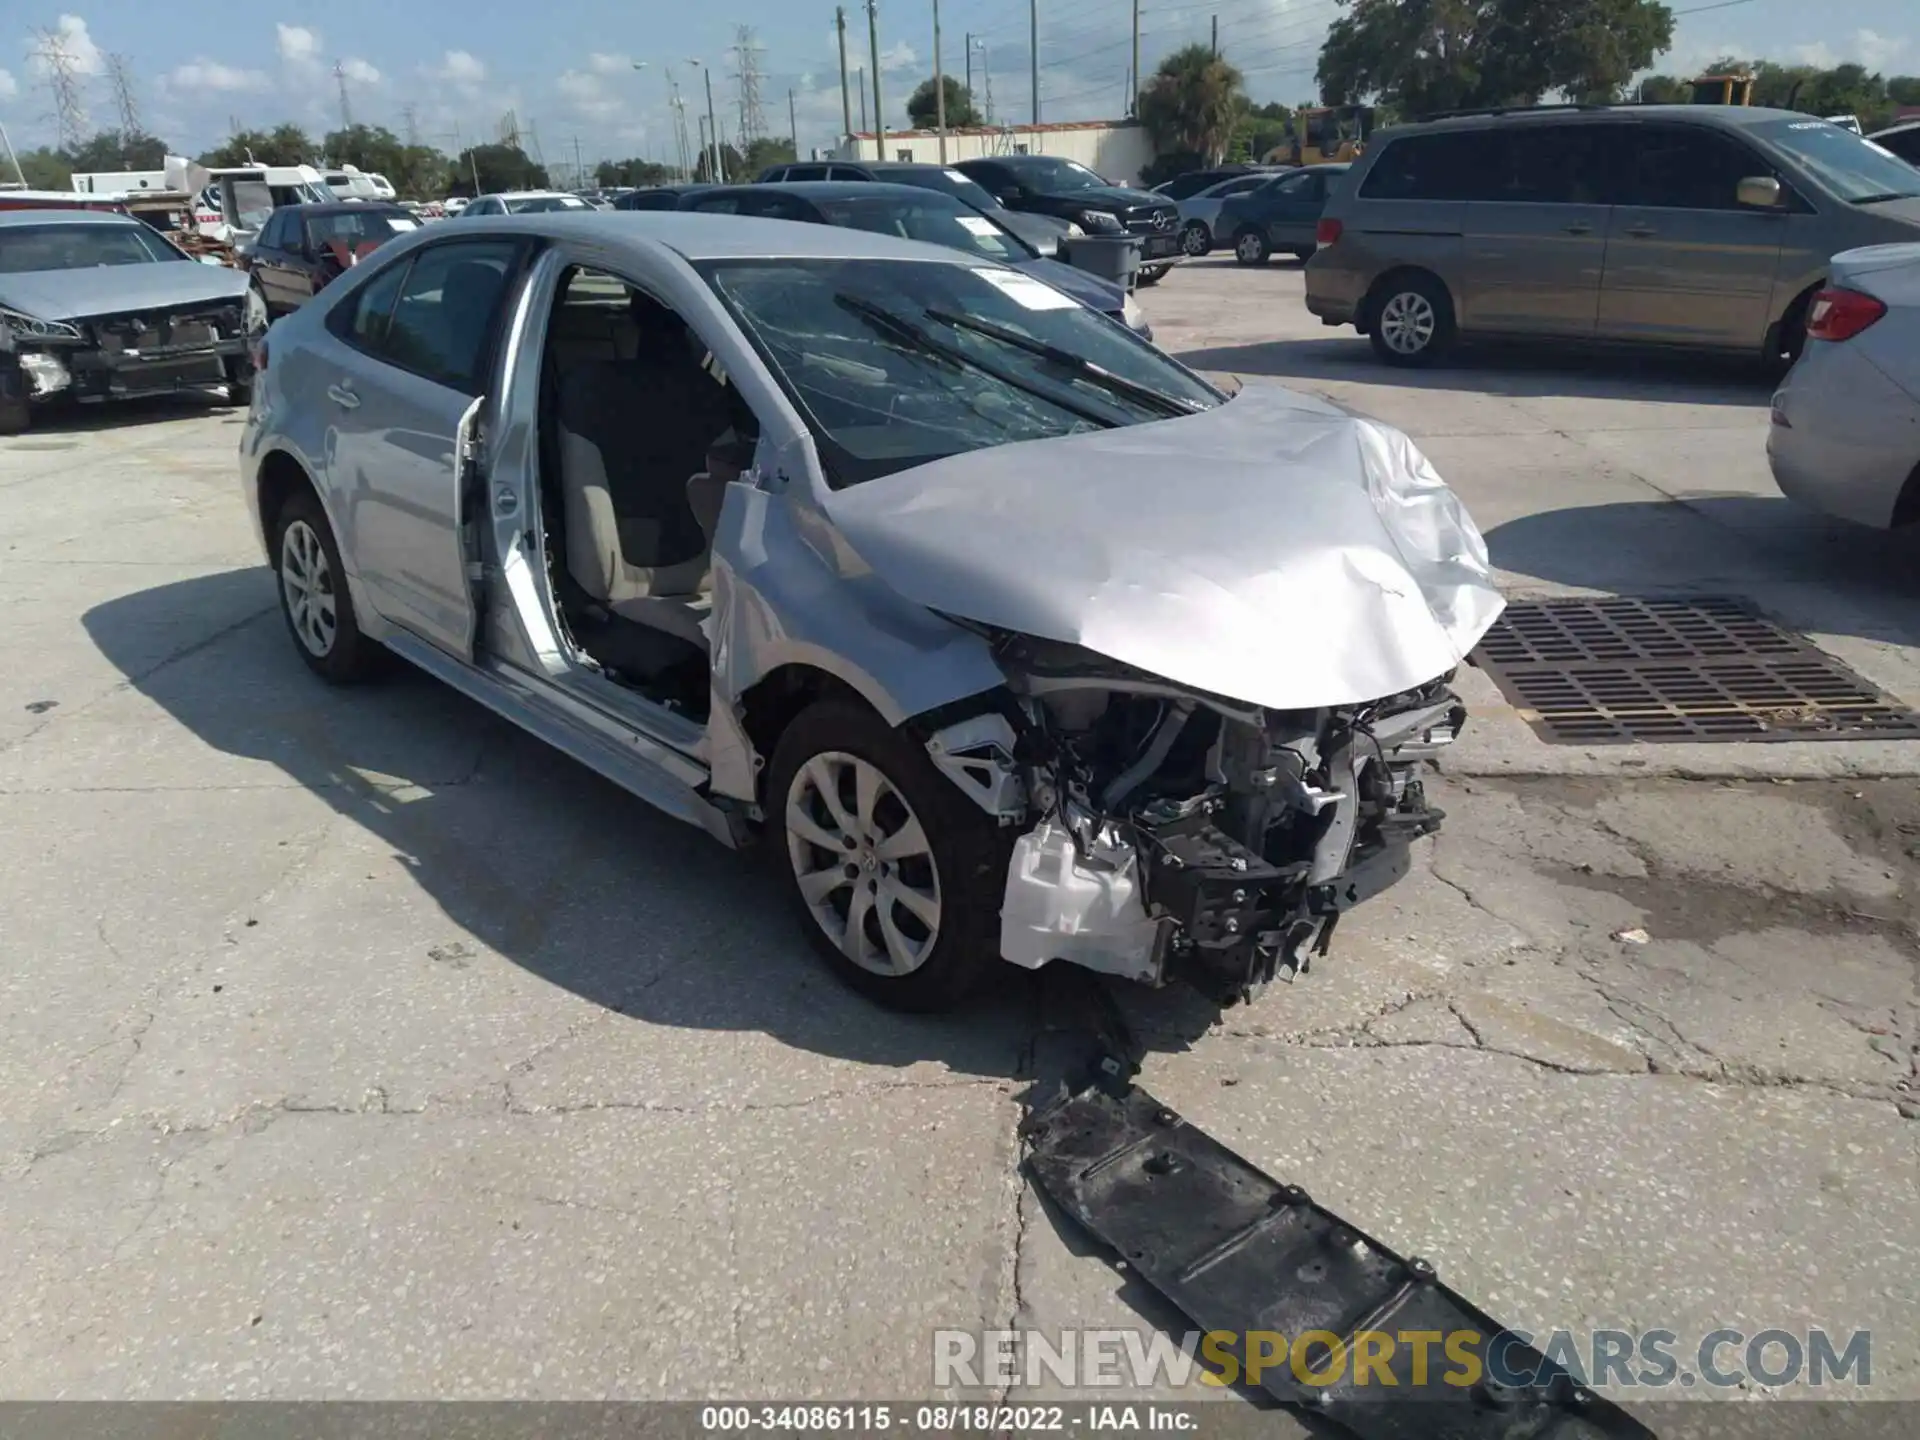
1622, 670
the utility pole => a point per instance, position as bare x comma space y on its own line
1133, 89
1216, 37
579, 166
63, 80
846, 104
411, 114
1033, 53
346, 110
879, 114
793, 125
12, 159
753, 119
120, 76
714, 163
862, 88
939, 87
986, 77
969, 50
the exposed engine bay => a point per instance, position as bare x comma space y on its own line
1177, 835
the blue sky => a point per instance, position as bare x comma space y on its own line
565, 67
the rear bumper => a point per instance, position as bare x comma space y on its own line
1844, 438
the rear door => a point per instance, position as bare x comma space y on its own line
413, 354
1534, 229
1686, 262
1289, 209
272, 267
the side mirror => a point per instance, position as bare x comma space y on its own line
1047, 246
1760, 192
1007, 197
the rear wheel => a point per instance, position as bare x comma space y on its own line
313, 594
898, 877
1150, 274
1250, 247
1412, 321
1196, 240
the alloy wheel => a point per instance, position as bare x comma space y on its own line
863, 863
1408, 323
1194, 240
1251, 248
306, 584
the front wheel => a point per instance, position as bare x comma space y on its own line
1196, 240
897, 876
1412, 321
1250, 247
313, 594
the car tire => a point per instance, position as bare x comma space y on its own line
314, 598
1196, 240
1411, 321
1250, 247
240, 383
935, 931
1150, 274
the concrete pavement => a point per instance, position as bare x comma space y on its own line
352, 1044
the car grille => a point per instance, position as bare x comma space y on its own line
1150, 222
182, 328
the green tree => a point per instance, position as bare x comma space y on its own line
45, 169
499, 167
1662, 90
763, 152
111, 150
285, 144
1191, 104
961, 111
1904, 89
1428, 55
631, 172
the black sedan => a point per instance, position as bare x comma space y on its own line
911, 213
659, 197
303, 247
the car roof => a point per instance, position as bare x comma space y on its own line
52, 216
1724, 116
1899, 129
528, 195
848, 189
694, 236
347, 207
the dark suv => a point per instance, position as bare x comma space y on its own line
1047, 185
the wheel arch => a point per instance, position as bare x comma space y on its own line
279, 477
1792, 318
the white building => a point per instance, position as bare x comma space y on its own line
1117, 149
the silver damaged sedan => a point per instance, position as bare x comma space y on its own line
1007, 636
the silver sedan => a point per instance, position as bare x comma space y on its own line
1845, 437
1200, 213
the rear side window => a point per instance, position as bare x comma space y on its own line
441, 322
1437, 166
364, 324
1688, 167
1548, 165
716, 204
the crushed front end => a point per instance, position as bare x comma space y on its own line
1179, 835
157, 350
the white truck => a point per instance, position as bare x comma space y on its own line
349, 182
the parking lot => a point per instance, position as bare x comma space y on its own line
354, 1045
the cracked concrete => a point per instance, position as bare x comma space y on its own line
352, 1044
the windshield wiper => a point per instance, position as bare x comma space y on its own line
912, 338
1169, 405
1888, 195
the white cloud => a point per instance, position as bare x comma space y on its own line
71, 31
898, 56
298, 45
9, 87
1877, 51
360, 71
587, 96
604, 64
202, 74
459, 67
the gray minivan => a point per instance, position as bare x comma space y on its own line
1706, 226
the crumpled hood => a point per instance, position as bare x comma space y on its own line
116, 289
1275, 550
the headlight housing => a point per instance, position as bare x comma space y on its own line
31, 327
1098, 222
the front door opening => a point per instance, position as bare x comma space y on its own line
640, 434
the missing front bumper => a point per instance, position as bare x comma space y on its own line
1262, 1268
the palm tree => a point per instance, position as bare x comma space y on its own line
1191, 103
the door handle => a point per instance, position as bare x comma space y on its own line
1641, 232
1579, 229
343, 397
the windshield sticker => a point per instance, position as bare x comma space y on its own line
1026, 291
978, 225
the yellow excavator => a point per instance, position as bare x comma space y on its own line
1323, 133
1723, 90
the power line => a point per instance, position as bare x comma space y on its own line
1702, 9
63, 80
120, 76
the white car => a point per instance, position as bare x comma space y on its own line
1845, 437
526, 202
